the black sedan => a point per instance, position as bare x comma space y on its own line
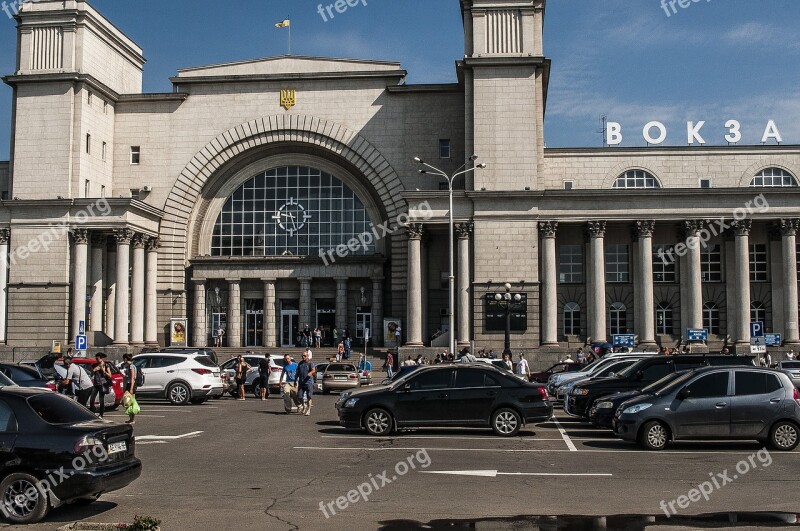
457, 395
23, 376
54, 451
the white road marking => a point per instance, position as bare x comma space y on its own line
487, 438
567, 440
495, 473
533, 451
140, 415
152, 442
168, 437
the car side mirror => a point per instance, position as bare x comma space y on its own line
407, 387
683, 394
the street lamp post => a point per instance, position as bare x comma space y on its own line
510, 302
452, 279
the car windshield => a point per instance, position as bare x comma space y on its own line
23, 374
5, 380
341, 367
655, 386
631, 369
58, 409
790, 364
681, 379
205, 361
280, 362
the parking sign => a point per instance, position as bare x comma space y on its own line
757, 329
81, 342
624, 340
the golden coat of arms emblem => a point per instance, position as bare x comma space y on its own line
288, 98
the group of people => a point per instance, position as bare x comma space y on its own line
297, 379
766, 359
90, 388
521, 367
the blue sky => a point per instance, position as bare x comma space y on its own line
713, 61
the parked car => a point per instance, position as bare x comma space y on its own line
42, 431
558, 368
23, 376
608, 370
252, 383
557, 380
640, 375
192, 351
118, 379
452, 395
715, 403
180, 378
339, 377
791, 368
321, 368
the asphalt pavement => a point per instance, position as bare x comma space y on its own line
246, 465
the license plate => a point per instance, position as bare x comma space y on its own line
340, 377
114, 448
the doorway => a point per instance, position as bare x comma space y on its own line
326, 320
290, 324
254, 323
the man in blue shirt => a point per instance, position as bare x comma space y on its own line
288, 383
305, 383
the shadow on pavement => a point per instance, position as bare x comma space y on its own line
75, 512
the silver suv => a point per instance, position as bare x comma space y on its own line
180, 378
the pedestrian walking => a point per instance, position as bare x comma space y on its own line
306, 336
508, 363
348, 345
305, 383
340, 351
133, 379
389, 364
288, 382
318, 337
767, 360
263, 376
241, 374
101, 383
309, 353
77, 381
790, 355
523, 369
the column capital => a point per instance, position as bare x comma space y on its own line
305, 279
5, 236
269, 280
644, 228
415, 231
690, 227
788, 227
233, 281
198, 282
80, 236
741, 227
139, 240
464, 230
596, 229
123, 236
548, 229
153, 244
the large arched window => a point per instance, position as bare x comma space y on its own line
619, 318
291, 211
711, 318
773, 177
664, 321
572, 319
758, 313
636, 179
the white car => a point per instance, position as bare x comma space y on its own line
180, 378
252, 383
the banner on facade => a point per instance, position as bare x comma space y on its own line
177, 336
391, 333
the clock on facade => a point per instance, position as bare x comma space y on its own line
292, 216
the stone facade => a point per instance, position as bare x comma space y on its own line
126, 200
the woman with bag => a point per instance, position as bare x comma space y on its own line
101, 383
132, 380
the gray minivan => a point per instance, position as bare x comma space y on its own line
715, 403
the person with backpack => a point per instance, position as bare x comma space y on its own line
263, 376
77, 381
134, 378
101, 383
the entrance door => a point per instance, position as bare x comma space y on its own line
363, 323
254, 322
326, 320
218, 320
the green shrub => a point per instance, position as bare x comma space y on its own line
144, 523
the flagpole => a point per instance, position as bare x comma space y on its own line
290, 34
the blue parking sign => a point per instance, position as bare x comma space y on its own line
81, 343
757, 329
696, 334
624, 340
773, 340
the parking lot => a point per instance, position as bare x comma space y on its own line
246, 465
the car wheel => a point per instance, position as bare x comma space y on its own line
378, 422
179, 394
256, 390
654, 435
784, 436
24, 501
506, 422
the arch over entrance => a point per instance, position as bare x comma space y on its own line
182, 203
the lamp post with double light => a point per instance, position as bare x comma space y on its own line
509, 303
463, 170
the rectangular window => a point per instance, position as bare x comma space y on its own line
758, 262
136, 153
89, 97
444, 149
664, 263
568, 185
103, 153
711, 263
88, 144
102, 190
617, 263
705, 183
570, 264
87, 189
105, 107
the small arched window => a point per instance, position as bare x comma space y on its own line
572, 319
636, 179
773, 177
711, 318
758, 313
619, 318
664, 321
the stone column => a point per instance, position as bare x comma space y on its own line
377, 312
5, 236
341, 304
414, 311
79, 270
464, 231
548, 231
151, 294
789, 228
270, 315
137, 291
234, 333
305, 303
123, 238
95, 324
741, 230
643, 231
694, 277
597, 272
199, 325
111, 288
